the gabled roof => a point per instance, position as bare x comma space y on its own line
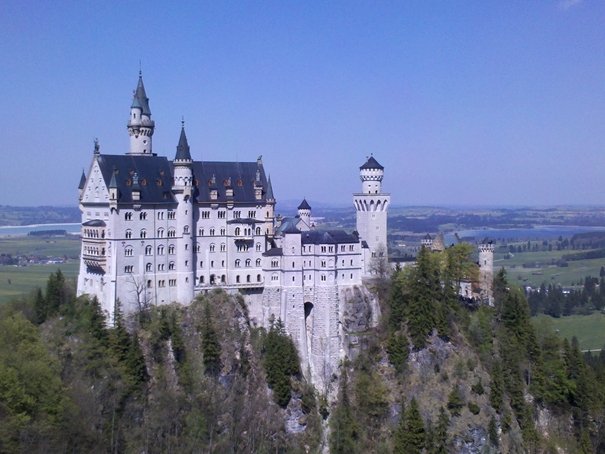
219, 175
140, 98
182, 149
371, 163
269, 192
154, 175
304, 205
328, 237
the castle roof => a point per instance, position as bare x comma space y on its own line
269, 192
273, 252
304, 205
328, 237
82, 180
154, 175
371, 163
140, 98
182, 149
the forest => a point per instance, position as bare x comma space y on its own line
433, 376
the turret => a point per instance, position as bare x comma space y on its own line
304, 214
140, 124
371, 174
82, 184
486, 270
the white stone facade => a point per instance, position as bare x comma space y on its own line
156, 231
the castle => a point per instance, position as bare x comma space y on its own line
156, 231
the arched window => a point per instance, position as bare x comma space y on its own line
148, 267
237, 279
128, 234
212, 246
212, 231
198, 247
160, 233
248, 262
237, 231
143, 233
186, 229
142, 216
171, 249
161, 249
238, 263
171, 266
148, 249
258, 262
258, 278
128, 252
258, 247
223, 247
248, 278
171, 233
258, 230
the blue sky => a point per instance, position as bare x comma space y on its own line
463, 102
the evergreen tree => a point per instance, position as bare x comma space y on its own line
211, 347
455, 401
135, 363
397, 348
410, 437
40, 308
55, 293
496, 393
344, 432
492, 430
281, 362
441, 438
119, 337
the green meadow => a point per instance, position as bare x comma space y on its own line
588, 329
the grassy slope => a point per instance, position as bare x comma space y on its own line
589, 329
23, 279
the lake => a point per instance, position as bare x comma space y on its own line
72, 228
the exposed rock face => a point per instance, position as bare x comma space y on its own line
475, 442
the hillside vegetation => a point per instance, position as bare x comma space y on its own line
436, 375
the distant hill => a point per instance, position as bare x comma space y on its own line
10, 215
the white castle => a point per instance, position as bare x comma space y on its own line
156, 231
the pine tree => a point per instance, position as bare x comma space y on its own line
492, 430
211, 347
343, 427
397, 348
40, 308
410, 437
135, 363
119, 339
441, 438
455, 401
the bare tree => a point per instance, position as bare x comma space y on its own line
141, 296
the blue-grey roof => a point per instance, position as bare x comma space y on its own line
182, 149
154, 175
269, 194
288, 225
371, 163
94, 223
247, 221
239, 176
304, 205
140, 98
276, 251
82, 181
328, 237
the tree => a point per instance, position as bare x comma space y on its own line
455, 401
410, 436
211, 347
343, 427
441, 438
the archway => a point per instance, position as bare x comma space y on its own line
308, 308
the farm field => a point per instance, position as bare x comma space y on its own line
588, 329
546, 270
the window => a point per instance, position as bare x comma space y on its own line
223, 247
160, 233
323, 277
248, 278
201, 264
342, 248
222, 214
252, 214
148, 249
186, 263
148, 267
238, 263
172, 282
142, 216
161, 283
237, 279
212, 231
351, 247
200, 232
160, 215
143, 233
128, 234
258, 262
205, 215
274, 277
171, 233
223, 278
351, 262
161, 249
237, 214
186, 229
258, 278
128, 216
149, 283
323, 263
274, 263
198, 248
160, 267
258, 247
237, 231
248, 262
172, 215
331, 248
323, 249
171, 266
258, 230
212, 246
223, 231
211, 263
128, 268
171, 249
128, 251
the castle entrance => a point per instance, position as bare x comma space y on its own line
308, 329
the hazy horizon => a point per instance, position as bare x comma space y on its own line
467, 104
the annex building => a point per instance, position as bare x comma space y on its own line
157, 231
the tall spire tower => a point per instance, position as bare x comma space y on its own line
371, 205
140, 124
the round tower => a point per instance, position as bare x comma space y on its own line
140, 124
371, 205
182, 189
486, 270
304, 214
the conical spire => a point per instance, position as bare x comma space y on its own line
140, 98
269, 194
113, 184
182, 149
82, 180
304, 205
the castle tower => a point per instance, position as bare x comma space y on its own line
304, 214
182, 189
486, 270
140, 124
371, 205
